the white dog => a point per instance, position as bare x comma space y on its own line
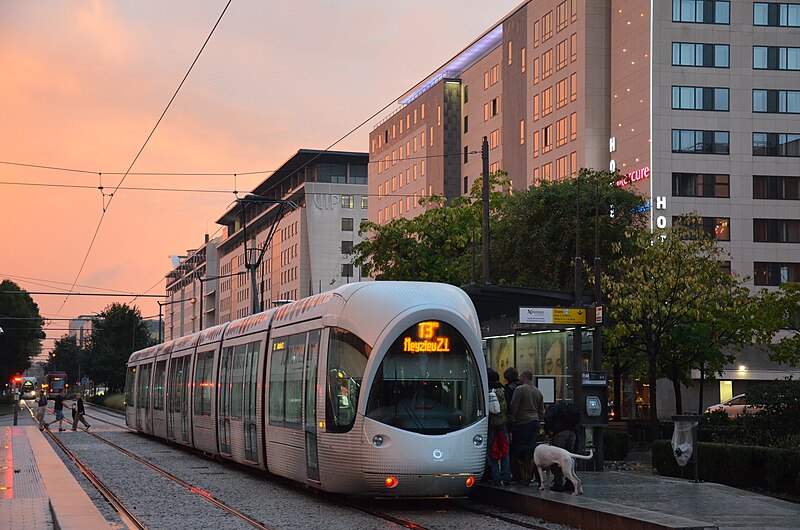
545, 456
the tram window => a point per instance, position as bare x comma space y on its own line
176, 378
145, 371
286, 379
202, 383
158, 385
428, 382
347, 359
129, 382
237, 379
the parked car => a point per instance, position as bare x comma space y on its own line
735, 406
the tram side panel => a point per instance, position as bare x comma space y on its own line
292, 364
178, 398
204, 406
239, 430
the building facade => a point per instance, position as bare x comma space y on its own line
695, 102
191, 288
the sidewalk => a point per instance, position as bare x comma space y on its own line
37, 491
630, 499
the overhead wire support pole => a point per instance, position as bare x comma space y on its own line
487, 277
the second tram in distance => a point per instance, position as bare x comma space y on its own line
374, 388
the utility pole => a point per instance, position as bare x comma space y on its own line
577, 337
597, 333
487, 278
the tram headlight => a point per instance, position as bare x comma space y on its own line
478, 440
377, 440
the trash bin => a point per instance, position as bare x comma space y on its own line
684, 440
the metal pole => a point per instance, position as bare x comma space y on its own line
160, 325
577, 337
597, 333
254, 287
487, 278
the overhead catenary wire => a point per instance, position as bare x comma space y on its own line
141, 149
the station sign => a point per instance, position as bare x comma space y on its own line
552, 315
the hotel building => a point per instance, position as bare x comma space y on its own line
696, 101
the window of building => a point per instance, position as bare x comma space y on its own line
523, 59
573, 47
536, 107
700, 98
547, 171
547, 139
347, 270
776, 14
494, 167
701, 185
775, 274
776, 58
394, 183
347, 201
486, 115
561, 167
347, 247
573, 162
776, 230
562, 54
718, 228
537, 30
438, 115
495, 74
547, 101
701, 11
494, 107
535, 70
573, 126
364, 200
562, 15
705, 55
573, 87
347, 224
776, 144
422, 168
430, 139
494, 139
562, 131
466, 185
573, 10
415, 116
535, 144
776, 187
521, 132
547, 26
466, 93
466, 154
562, 92
509, 52
466, 124
776, 101
700, 142
547, 64
422, 111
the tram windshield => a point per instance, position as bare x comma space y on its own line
428, 382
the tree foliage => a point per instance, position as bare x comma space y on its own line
672, 302
533, 243
442, 244
22, 330
117, 333
782, 310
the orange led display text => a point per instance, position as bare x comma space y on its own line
427, 340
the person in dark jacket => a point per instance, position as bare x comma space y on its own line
79, 412
512, 382
41, 409
58, 408
497, 453
561, 422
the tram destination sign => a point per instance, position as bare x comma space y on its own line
552, 315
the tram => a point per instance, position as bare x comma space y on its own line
54, 382
373, 389
28, 388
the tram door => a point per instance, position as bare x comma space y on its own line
310, 423
143, 398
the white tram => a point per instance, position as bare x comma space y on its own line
375, 388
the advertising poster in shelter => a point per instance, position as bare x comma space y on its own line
544, 354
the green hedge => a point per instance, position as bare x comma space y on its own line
616, 444
740, 466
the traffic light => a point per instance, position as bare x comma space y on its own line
17, 379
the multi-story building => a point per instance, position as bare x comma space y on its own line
191, 292
695, 101
305, 218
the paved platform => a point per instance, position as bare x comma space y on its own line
37, 491
633, 500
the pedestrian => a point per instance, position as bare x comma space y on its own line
561, 422
41, 409
512, 382
526, 411
58, 408
78, 413
497, 447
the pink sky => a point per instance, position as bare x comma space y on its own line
84, 82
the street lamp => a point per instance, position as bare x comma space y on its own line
160, 314
255, 253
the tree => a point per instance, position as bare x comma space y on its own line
533, 242
782, 311
67, 357
664, 292
117, 333
438, 245
22, 330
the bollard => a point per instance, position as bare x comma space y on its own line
16, 406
